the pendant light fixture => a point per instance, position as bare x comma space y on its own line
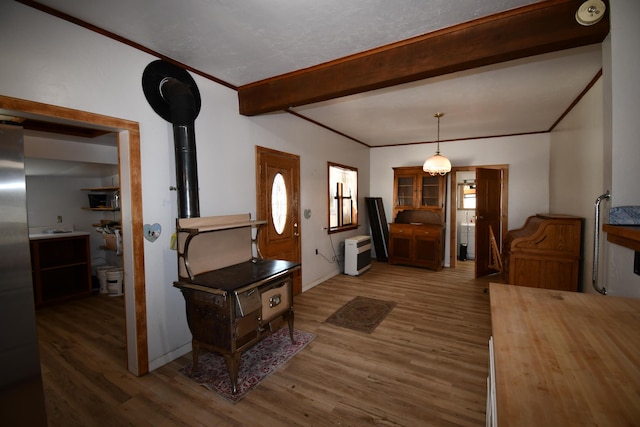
437, 164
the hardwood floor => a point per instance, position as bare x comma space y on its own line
425, 364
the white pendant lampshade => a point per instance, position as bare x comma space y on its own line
437, 164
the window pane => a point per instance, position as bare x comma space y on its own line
279, 203
343, 197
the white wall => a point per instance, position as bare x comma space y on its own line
65, 65
621, 68
99, 150
576, 170
51, 196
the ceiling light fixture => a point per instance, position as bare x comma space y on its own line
437, 164
590, 12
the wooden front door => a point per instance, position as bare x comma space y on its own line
278, 202
488, 214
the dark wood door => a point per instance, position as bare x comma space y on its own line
488, 214
278, 202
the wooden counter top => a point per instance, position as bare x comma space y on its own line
565, 358
623, 235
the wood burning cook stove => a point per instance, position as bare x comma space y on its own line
233, 299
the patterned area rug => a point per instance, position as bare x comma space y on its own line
361, 314
256, 364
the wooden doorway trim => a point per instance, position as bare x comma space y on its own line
453, 206
128, 135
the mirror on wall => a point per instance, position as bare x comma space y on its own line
467, 195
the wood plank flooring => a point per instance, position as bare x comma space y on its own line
425, 364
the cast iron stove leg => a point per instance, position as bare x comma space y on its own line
233, 363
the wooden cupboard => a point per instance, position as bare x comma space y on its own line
415, 189
61, 268
416, 237
418, 245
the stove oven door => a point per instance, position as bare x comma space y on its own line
276, 299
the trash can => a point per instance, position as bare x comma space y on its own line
114, 282
463, 251
101, 273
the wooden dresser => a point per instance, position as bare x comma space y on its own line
563, 358
545, 252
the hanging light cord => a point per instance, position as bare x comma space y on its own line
437, 164
438, 115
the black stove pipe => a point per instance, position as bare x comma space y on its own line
174, 95
183, 114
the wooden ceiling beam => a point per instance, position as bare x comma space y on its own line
539, 28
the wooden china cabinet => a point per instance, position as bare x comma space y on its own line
415, 189
416, 235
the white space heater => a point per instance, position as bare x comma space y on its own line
357, 255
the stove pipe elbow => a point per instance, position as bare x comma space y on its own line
181, 101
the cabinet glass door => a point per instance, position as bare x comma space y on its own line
405, 191
430, 192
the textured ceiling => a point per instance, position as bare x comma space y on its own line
241, 42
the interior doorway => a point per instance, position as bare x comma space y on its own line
499, 214
65, 166
128, 135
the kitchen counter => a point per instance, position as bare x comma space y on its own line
565, 358
54, 231
37, 236
623, 235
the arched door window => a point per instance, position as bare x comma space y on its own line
279, 203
